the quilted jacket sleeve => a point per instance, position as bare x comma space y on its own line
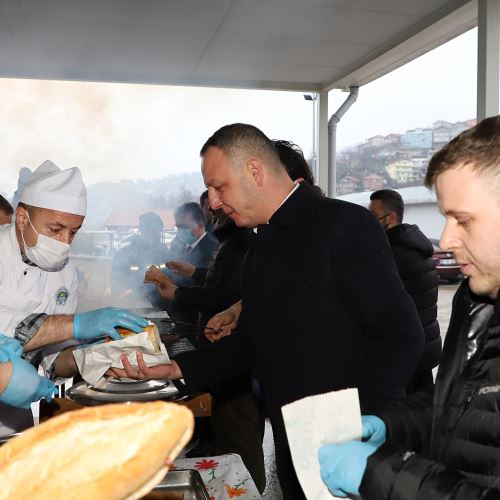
396, 474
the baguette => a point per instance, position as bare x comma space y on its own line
110, 452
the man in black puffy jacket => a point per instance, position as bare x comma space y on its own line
412, 253
446, 446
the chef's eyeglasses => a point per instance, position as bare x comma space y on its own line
384, 216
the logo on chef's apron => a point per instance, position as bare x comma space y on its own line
62, 296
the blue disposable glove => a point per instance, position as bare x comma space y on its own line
342, 466
25, 385
373, 431
10, 344
102, 323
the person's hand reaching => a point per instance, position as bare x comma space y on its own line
182, 268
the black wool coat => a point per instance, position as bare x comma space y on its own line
446, 446
324, 309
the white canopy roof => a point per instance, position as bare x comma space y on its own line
273, 44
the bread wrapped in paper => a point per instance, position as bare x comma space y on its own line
151, 330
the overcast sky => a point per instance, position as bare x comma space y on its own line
115, 131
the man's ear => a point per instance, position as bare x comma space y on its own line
21, 217
393, 219
256, 170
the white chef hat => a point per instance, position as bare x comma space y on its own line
24, 175
56, 189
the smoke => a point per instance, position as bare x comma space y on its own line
131, 142
122, 131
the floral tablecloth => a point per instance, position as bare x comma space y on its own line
225, 476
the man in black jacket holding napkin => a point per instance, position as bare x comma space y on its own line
446, 446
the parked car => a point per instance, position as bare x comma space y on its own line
446, 266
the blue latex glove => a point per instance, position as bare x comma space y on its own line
102, 323
25, 385
343, 465
10, 344
373, 431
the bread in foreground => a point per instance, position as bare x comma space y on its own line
117, 451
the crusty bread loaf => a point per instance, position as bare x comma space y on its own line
117, 451
151, 330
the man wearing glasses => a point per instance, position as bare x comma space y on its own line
412, 253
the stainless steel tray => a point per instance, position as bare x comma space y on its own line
128, 386
86, 395
187, 483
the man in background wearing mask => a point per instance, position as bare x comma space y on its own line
38, 285
195, 246
412, 252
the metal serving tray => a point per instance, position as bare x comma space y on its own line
187, 483
86, 395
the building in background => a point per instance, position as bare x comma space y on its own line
403, 171
373, 182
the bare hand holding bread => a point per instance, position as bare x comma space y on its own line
118, 451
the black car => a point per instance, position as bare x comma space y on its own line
446, 266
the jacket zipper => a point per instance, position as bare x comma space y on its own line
456, 418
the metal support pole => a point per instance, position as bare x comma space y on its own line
332, 143
322, 175
488, 58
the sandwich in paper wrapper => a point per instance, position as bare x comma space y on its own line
94, 361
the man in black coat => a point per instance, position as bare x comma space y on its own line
314, 314
446, 446
412, 253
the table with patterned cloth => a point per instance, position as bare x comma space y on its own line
224, 476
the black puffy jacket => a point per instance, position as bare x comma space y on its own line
413, 252
447, 447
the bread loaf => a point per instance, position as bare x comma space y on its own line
117, 451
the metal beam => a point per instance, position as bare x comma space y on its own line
443, 25
488, 58
322, 160
332, 139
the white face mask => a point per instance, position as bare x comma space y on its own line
48, 254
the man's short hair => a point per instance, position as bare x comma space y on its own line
478, 147
5, 206
391, 200
193, 210
240, 140
203, 197
150, 220
293, 160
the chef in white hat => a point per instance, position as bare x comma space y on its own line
38, 283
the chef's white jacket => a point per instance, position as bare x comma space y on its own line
25, 290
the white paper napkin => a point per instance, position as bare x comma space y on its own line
333, 417
94, 361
